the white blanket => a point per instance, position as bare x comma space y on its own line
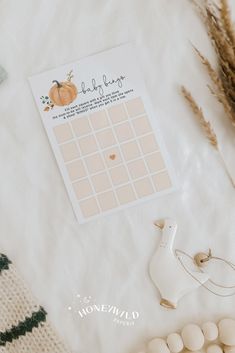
108, 259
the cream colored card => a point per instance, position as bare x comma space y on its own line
101, 128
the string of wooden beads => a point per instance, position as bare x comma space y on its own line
214, 338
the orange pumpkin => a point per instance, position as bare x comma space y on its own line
63, 93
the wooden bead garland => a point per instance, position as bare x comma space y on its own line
229, 349
175, 343
158, 345
214, 348
193, 338
210, 331
227, 332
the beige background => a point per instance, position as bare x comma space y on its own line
108, 259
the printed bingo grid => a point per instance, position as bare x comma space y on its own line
112, 157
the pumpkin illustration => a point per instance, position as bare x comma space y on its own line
63, 93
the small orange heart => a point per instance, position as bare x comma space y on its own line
112, 156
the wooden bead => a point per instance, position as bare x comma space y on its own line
175, 343
200, 259
229, 349
158, 345
210, 331
214, 348
192, 337
227, 332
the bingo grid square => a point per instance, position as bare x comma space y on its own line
112, 157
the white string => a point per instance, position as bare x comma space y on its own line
178, 251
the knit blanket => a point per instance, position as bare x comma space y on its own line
24, 326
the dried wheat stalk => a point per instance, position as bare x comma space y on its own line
218, 22
206, 127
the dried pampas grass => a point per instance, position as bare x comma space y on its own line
217, 19
206, 127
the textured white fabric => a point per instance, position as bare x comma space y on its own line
108, 259
3, 74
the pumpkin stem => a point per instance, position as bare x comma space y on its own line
57, 82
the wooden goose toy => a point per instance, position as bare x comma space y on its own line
167, 273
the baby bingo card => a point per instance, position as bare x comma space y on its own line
99, 122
